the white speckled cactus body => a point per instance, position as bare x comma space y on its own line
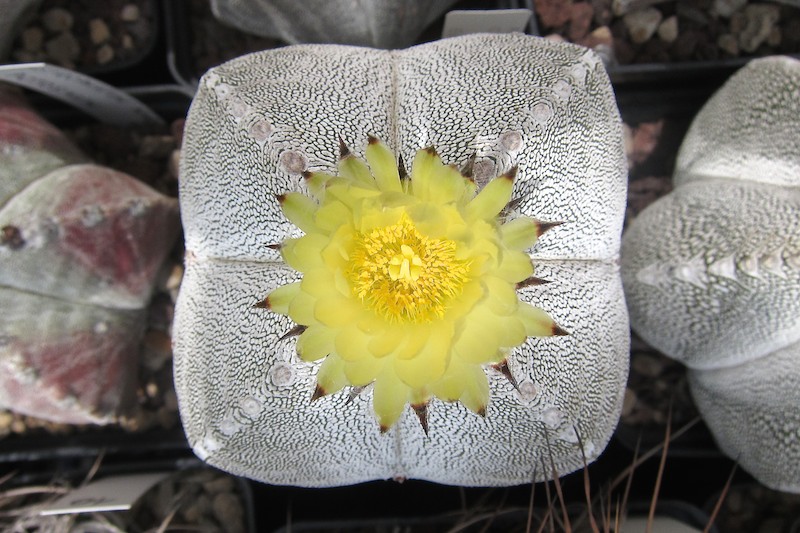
79, 252
260, 122
385, 24
712, 271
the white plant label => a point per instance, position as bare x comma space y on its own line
463, 22
94, 97
117, 493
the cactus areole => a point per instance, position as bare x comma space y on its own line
419, 341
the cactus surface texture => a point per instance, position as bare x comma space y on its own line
385, 24
269, 125
712, 270
80, 249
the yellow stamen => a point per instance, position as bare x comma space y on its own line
403, 275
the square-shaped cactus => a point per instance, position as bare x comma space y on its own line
313, 401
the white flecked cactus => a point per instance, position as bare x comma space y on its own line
385, 24
712, 271
256, 128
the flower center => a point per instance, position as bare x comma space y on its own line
404, 275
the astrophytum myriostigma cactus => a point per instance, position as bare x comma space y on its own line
385, 24
420, 340
712, 271
80, 247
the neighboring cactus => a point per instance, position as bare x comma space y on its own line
79, 252
385, 24
266, 125
712, 271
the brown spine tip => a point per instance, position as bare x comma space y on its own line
384, 429
295, 331
354, 392
263, 304
401, 168
344, 151
503, 368
531, 282
421, 410
468, 167
319, 392
281, 198
513, 204
276, 246
431, 150
481, 412
307, 174
371, 139
511, 174
544, 226
558, 331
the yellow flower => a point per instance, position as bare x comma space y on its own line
409, 282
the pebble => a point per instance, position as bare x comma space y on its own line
729, 44
629, 402
32, 39
63, 49
580, 20
174, 164
553, 13
668, 29
6, 419
759, 21
57, 20
642, 24
599, 37
105, 54
644, 140
127, 42
726, 8
98, 31
157, 146
228, 511
129, 13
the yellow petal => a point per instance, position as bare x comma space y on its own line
364, 371
304, 253
478, 336
331, 377
351, 343
390, 398
414, 339
299, 209
423, 169
514, 266
336, 311
331, 216
476, 390
316, 181
491, 200
315, 343
501, 296
280, 299
537, 322
451, 385
319, 283
447, 185
520, 233
353, 168
383, 345
301, 309
431, 362
383, 165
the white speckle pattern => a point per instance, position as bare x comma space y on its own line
710, 270
571, 168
